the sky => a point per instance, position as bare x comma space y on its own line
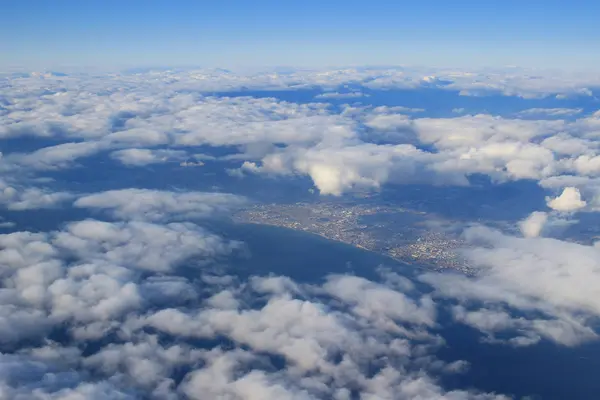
309, 33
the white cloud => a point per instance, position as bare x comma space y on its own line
379, 304
388, 122
88, 273
533, 225
568, 201
141, 157
398, 109
154, 205
20, 199
139, 244
341, 95
335, 170
275, 136
565, 144
54, 157
504, 149
475, 130
117, 283
551, 112
32, 377
243, 121
309, 335
552, 284
528, 331
221, 379
86, 279
148, 364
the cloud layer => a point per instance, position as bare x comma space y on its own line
82, 299
156, 205
154, 121
138, 299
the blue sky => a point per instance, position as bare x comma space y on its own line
308, 33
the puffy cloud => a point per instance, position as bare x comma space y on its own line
34, 377
388, 121
145, 362
85, 279
107, 299
542, 287
154, 205
147, 116
510, 81
141, 157
498, 147
340, 95
465, 131
129, 115
533, 225
19, 199
530, 330
300, 331
221, 378
54, 157
139, 244
311, 335
88, 273
243, 121
565, 144
378, 303
569, 200
586, 165
335, 170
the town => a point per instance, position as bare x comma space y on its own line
402, 234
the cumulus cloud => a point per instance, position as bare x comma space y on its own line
533, 225
19, 199
335, 170
549, 283
348, 336
99, 286
140, 125
388, 122
372, 301
59, 156
473, 130
154, 205
531, 330
504, 149
149, 116
568, 201
340, 95
91, 310
139, 244
141, 157
310, 336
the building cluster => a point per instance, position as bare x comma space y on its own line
345, 223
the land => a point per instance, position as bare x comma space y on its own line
403, 234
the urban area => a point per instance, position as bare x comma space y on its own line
402, 234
